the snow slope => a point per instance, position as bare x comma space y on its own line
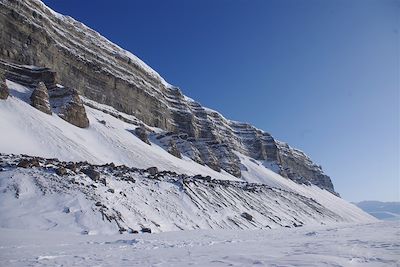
26, 130
134, 199
367, 245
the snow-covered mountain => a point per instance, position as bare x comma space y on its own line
82, 59
110, 146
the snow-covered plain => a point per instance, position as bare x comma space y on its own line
375, 244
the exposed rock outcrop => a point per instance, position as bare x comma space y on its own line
64, 101
61, 171
173, 149
247, 216
28, 75
69, 106
40, 99
299, 167
152, 170
28, 162
74, 112
32, 34
92, 173
3, 86
142, 134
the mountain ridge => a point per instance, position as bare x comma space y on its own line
102, 71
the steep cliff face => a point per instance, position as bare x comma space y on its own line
82, 59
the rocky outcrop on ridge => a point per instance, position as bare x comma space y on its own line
48, 96
103, 72
40, 98
69, 106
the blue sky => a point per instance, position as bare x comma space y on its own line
320, 75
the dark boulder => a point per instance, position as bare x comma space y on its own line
23, 163
71, 166
61, 171
34, 162
146, 230
92, 173
152, 170
66, 210
205, 178
198, 176
247, 216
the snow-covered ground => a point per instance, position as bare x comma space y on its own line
375, 244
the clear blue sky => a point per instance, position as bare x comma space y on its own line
320, 75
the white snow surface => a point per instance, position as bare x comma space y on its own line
367, 245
